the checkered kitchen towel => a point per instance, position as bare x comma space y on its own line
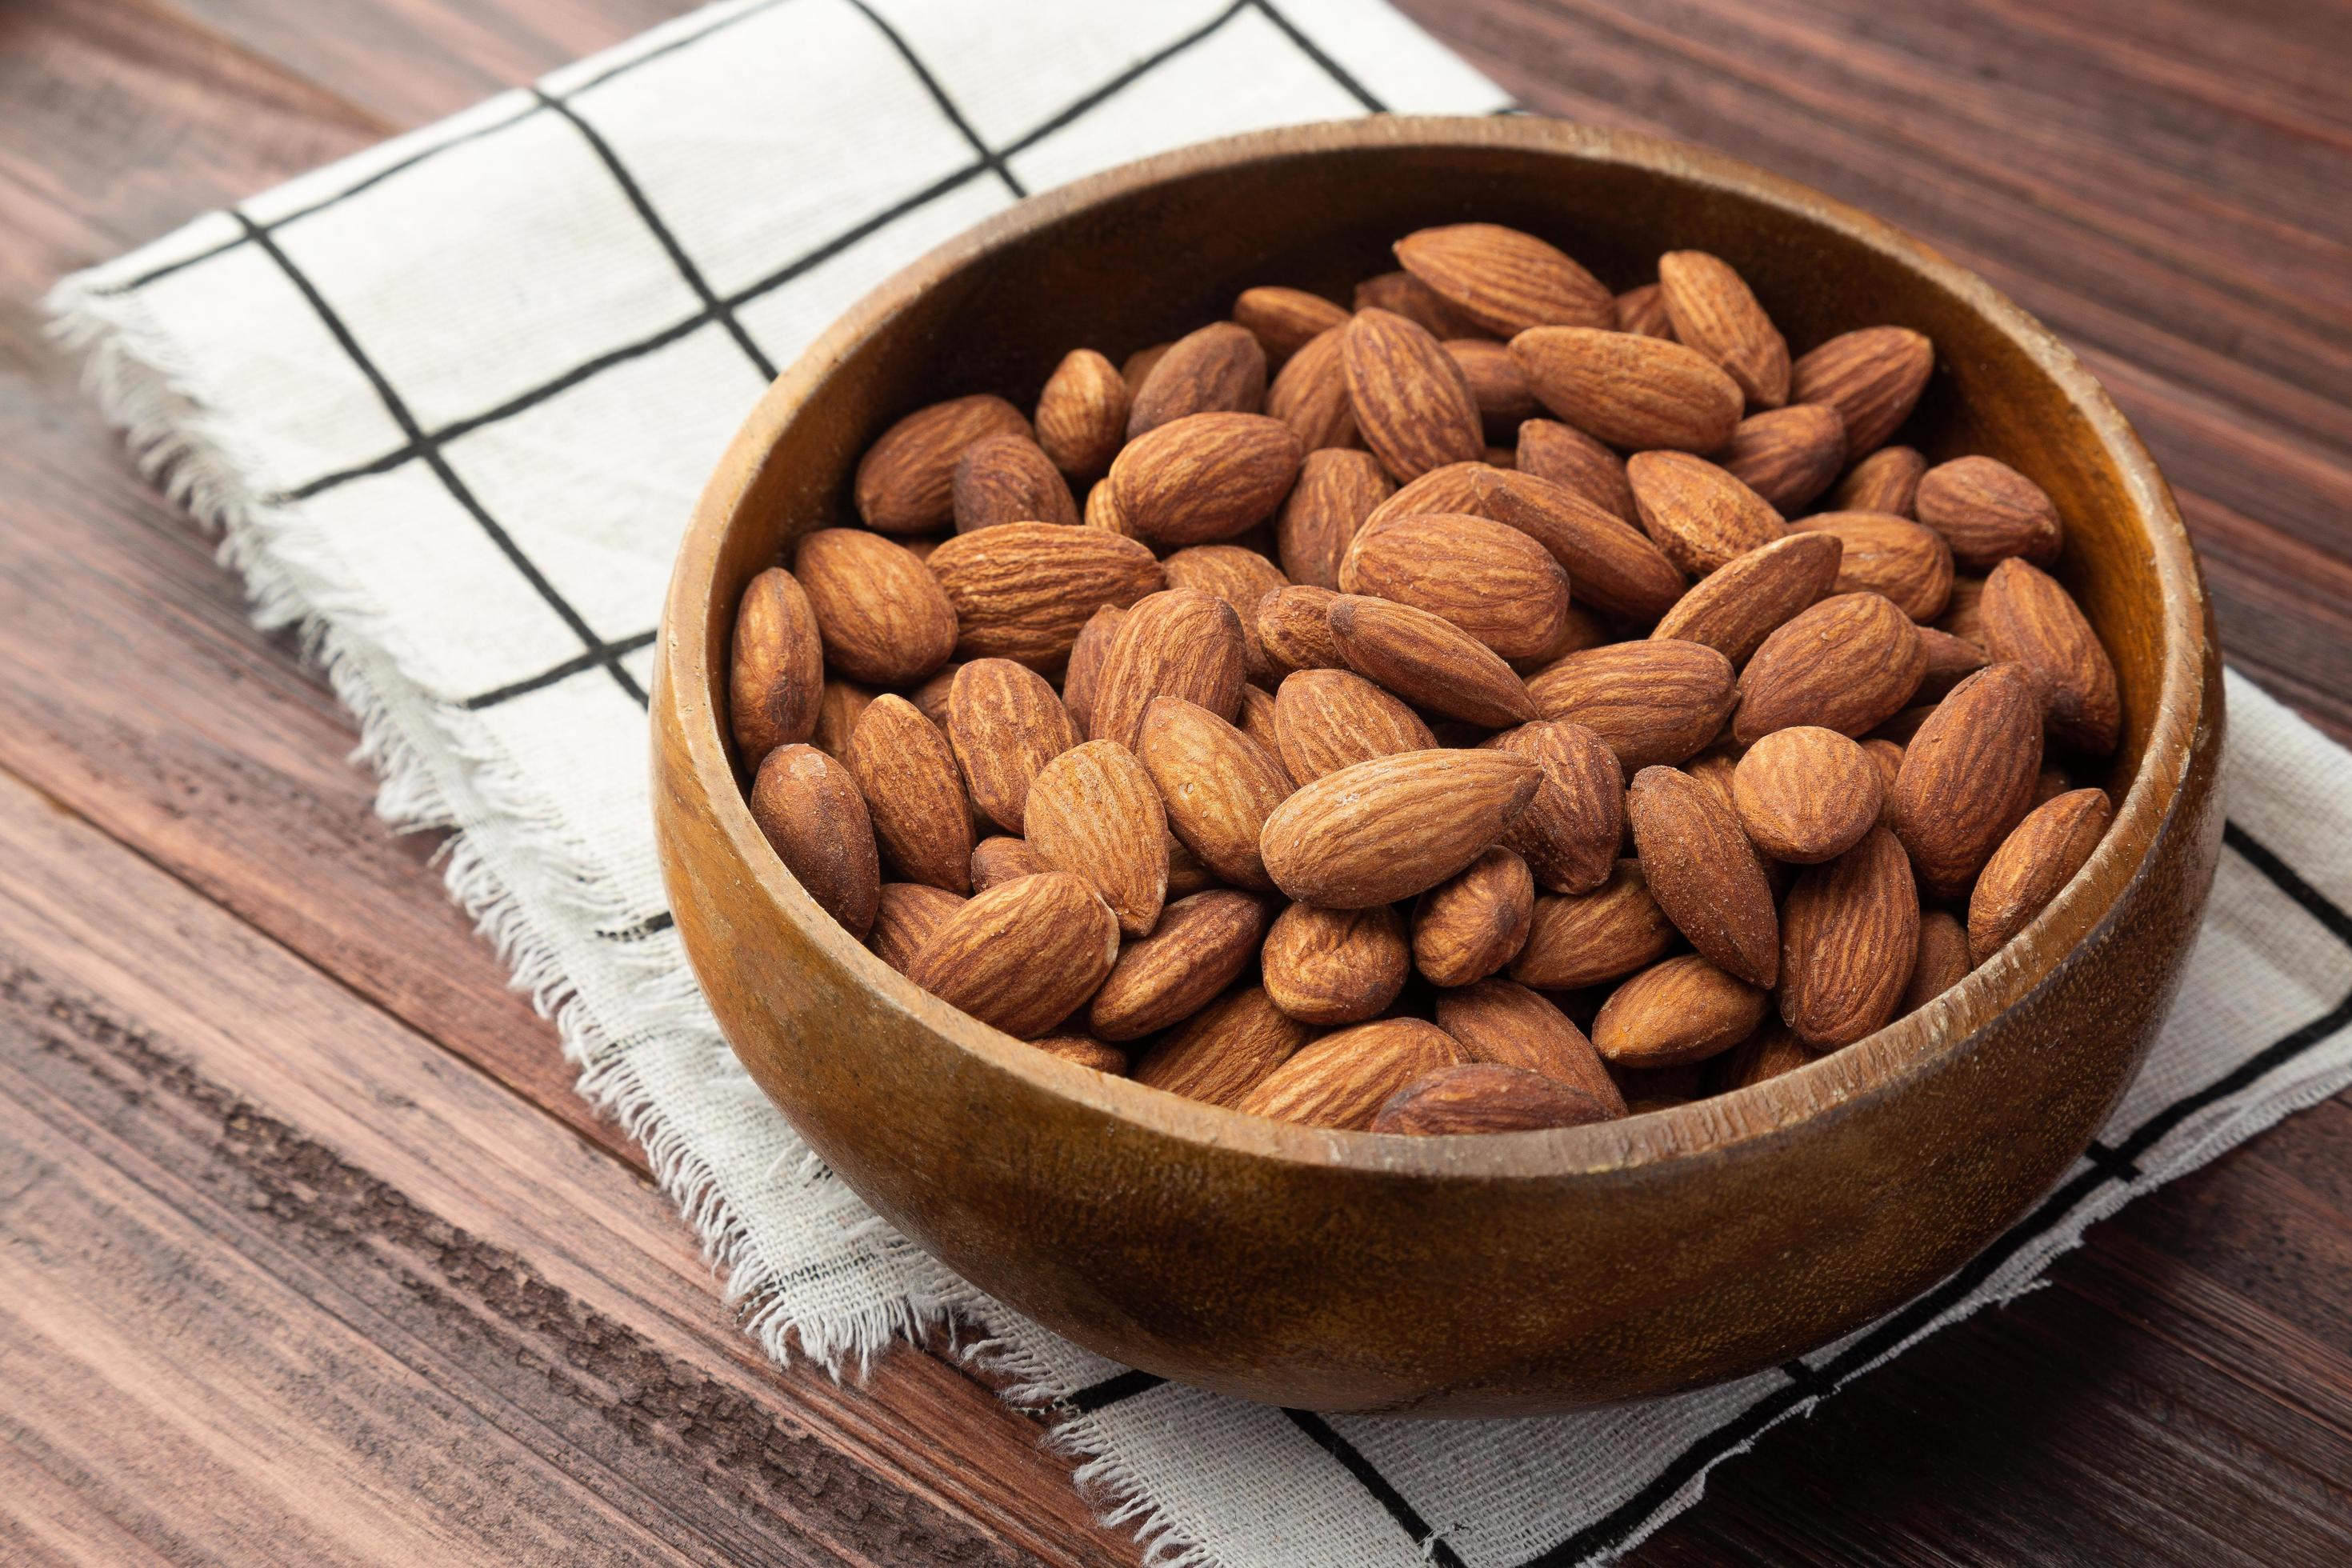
451, 401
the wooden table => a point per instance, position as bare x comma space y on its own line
309, 1253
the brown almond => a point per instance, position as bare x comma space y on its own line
1005, 723
1568, 458
1570, 832
1023, 955
1428, 660
1502, 1021
1218, 786
1968, 776
930, 699
1988, 511
883, 615
1241, 577
1871, 377
1310, 395
1082, 414
837, 712
1086, 1051
1180, 643
1009, 478
2030, 619
1700, 516
1083, 671
1849, 938
1325, 720
1341, 1080
1699, 868
1284, 321
810, 810
1505, 280
1393, 827
1631, 392
1476, 1099
1023, 590
1580, 629
1497, 386
1094, 813
1256, 720
1200, 946
905, 916
1216, 368
1186, 874
1137, 367
1450, 489
1584, 939
1806, 794
1942, 962
1964, 616
1644, 310
1610, 565
2038, 859
1337, 490
1472, 924
1847, 664
1223, 1050
999, 858
1887, 480
1713, 311
1787, 456
914, 794
1102, 510
1890, 555
1417, 302
1294, 627
1950, 660
1204, 478
1488, 578
1735, 607
775, 677
1672, 1014
1412, 405
1657, 701
1772, 1050
1335, 966
905, 481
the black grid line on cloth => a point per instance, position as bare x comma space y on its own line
591, 659
1368, 1476
395, 405
992, 161
1314, 51
638, 930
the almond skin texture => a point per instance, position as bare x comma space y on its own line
1393, 827
905, 917
1204, 478
1488, 578
882, 615
1284, 321
1341, 1080
1023, 955
1217, 786
1950, 660
1964, 616
1584, 939
775, 677
1241, 577
1682, 1011
1472, 924
1849, 938
1570, 832
1329, 967
1712, 310
1848, 664
1417, 302
1083, 671
808, 806
930, 699
1473, 1098
1216, 368
1337, 490
1502, 1022
1504, 280
1967, 777
837, 712
1137, 367
1644, 310
1632, 392
1700, 516
1256, 720
1659, 700
1181, 643
1093, 812
1787, 456
1082, 414
1988, 511
1735, 607
1702, 874
1222, 1052
1451, 488
1806, 794
1086, 1051
1429, 662
914, 794
1006, 724
1310, 395
1497, 384
905, 481
1610, 565
1021, 590
1009, 478
1890, 555
1325, 720
1412, 405
1887, 480
1573, 460
1767, 1054
1001, 860
1871, 377
2037, 859
1942, 962
1294, 627
2030, 619
1200, 946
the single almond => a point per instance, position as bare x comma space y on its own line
1847, 664
1325, 720
1569, 833
1497, 386
1086, 1051
1871, 377
1477, 1099
914, 794
930, 699
1310, 395
1342, 1079
1787, 456
1394, 827
1488, 578
775, 674
1186, 874
1023, 955
1005, 723
1206, 476
1180, 643
1082, 414
1577, 940
1472, 924
1428, 660
905, 917
809, 809
1580, 629
1735, 607
1771, 1051
1886, 756
1963, 617
1412, 405
1218, 786
1654, 700
2038, 859
1284, 321
837, 712
1217, 369
1968, 776
1644, 310
1502, 1021
1890, 555
1294, 627
1700, 516
882, 615
1336, 491
1023, 590
1450, 489
1887, 480
905, 481
1672, 1014
1200, 946
1568, 458
1330, 967
1084, 672
1094, 813
1241, 577
1222, 1052
1102, 510
1942, 962
1705, 877
1409, 297
1610, 565
1009, 478
1988, 511
1713, 311
1505, 280
1806, 794
1950, 660
999, 858
1632, 392
1137, 367
1256, 720
2029, 617
1849, 937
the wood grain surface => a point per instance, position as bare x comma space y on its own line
308, 1252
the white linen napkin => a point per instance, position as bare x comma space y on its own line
451, 401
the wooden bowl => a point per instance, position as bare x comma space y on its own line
1508, 1275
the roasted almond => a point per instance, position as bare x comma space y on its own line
1335, 966
1571, 830
1871, 377
1849, 938
905, 481
1206, 476
1474, 1099
1505, 280
1428, 660
1787, 456
1705, 877
1610, 565
1241, 577
1284, 321
1023, 955
1186, 874
1180, 643
1806, 794
1887, 480
1658, 701
1085, 668
837, 712
1584, 939
1217, 784
1631, 392
1580, 629
808, 808
2038, 859
1886, 756
1294, 627
1393, 827
1417, 302
1325, 720
914, 794
1943, 960
1450, 489
905, 917
1848, 664
1218, 369
1337, 490
1200, 946
1497, 386
1700, 516
1964, 616
1573, 460
930, 699
882, 615
1086, 1051
1412, 405
1488, 578
1310, 395
1082, 414
1137, 367
1950, 660
775, 677
1021, 590
1644, 310
1504, 1021
1472, 924
1672, 1014
1256, 720
2030, 619
1968, 776
1224, 1051
1712, 310
1890, 555
1094, 813
999, 858
1102, 510
1009, 478
1988, 511
1342, 1079
1735, 607
1771, 1051
1006, 724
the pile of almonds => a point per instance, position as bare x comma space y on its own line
1336, 764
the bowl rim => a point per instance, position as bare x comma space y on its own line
1740, 1122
